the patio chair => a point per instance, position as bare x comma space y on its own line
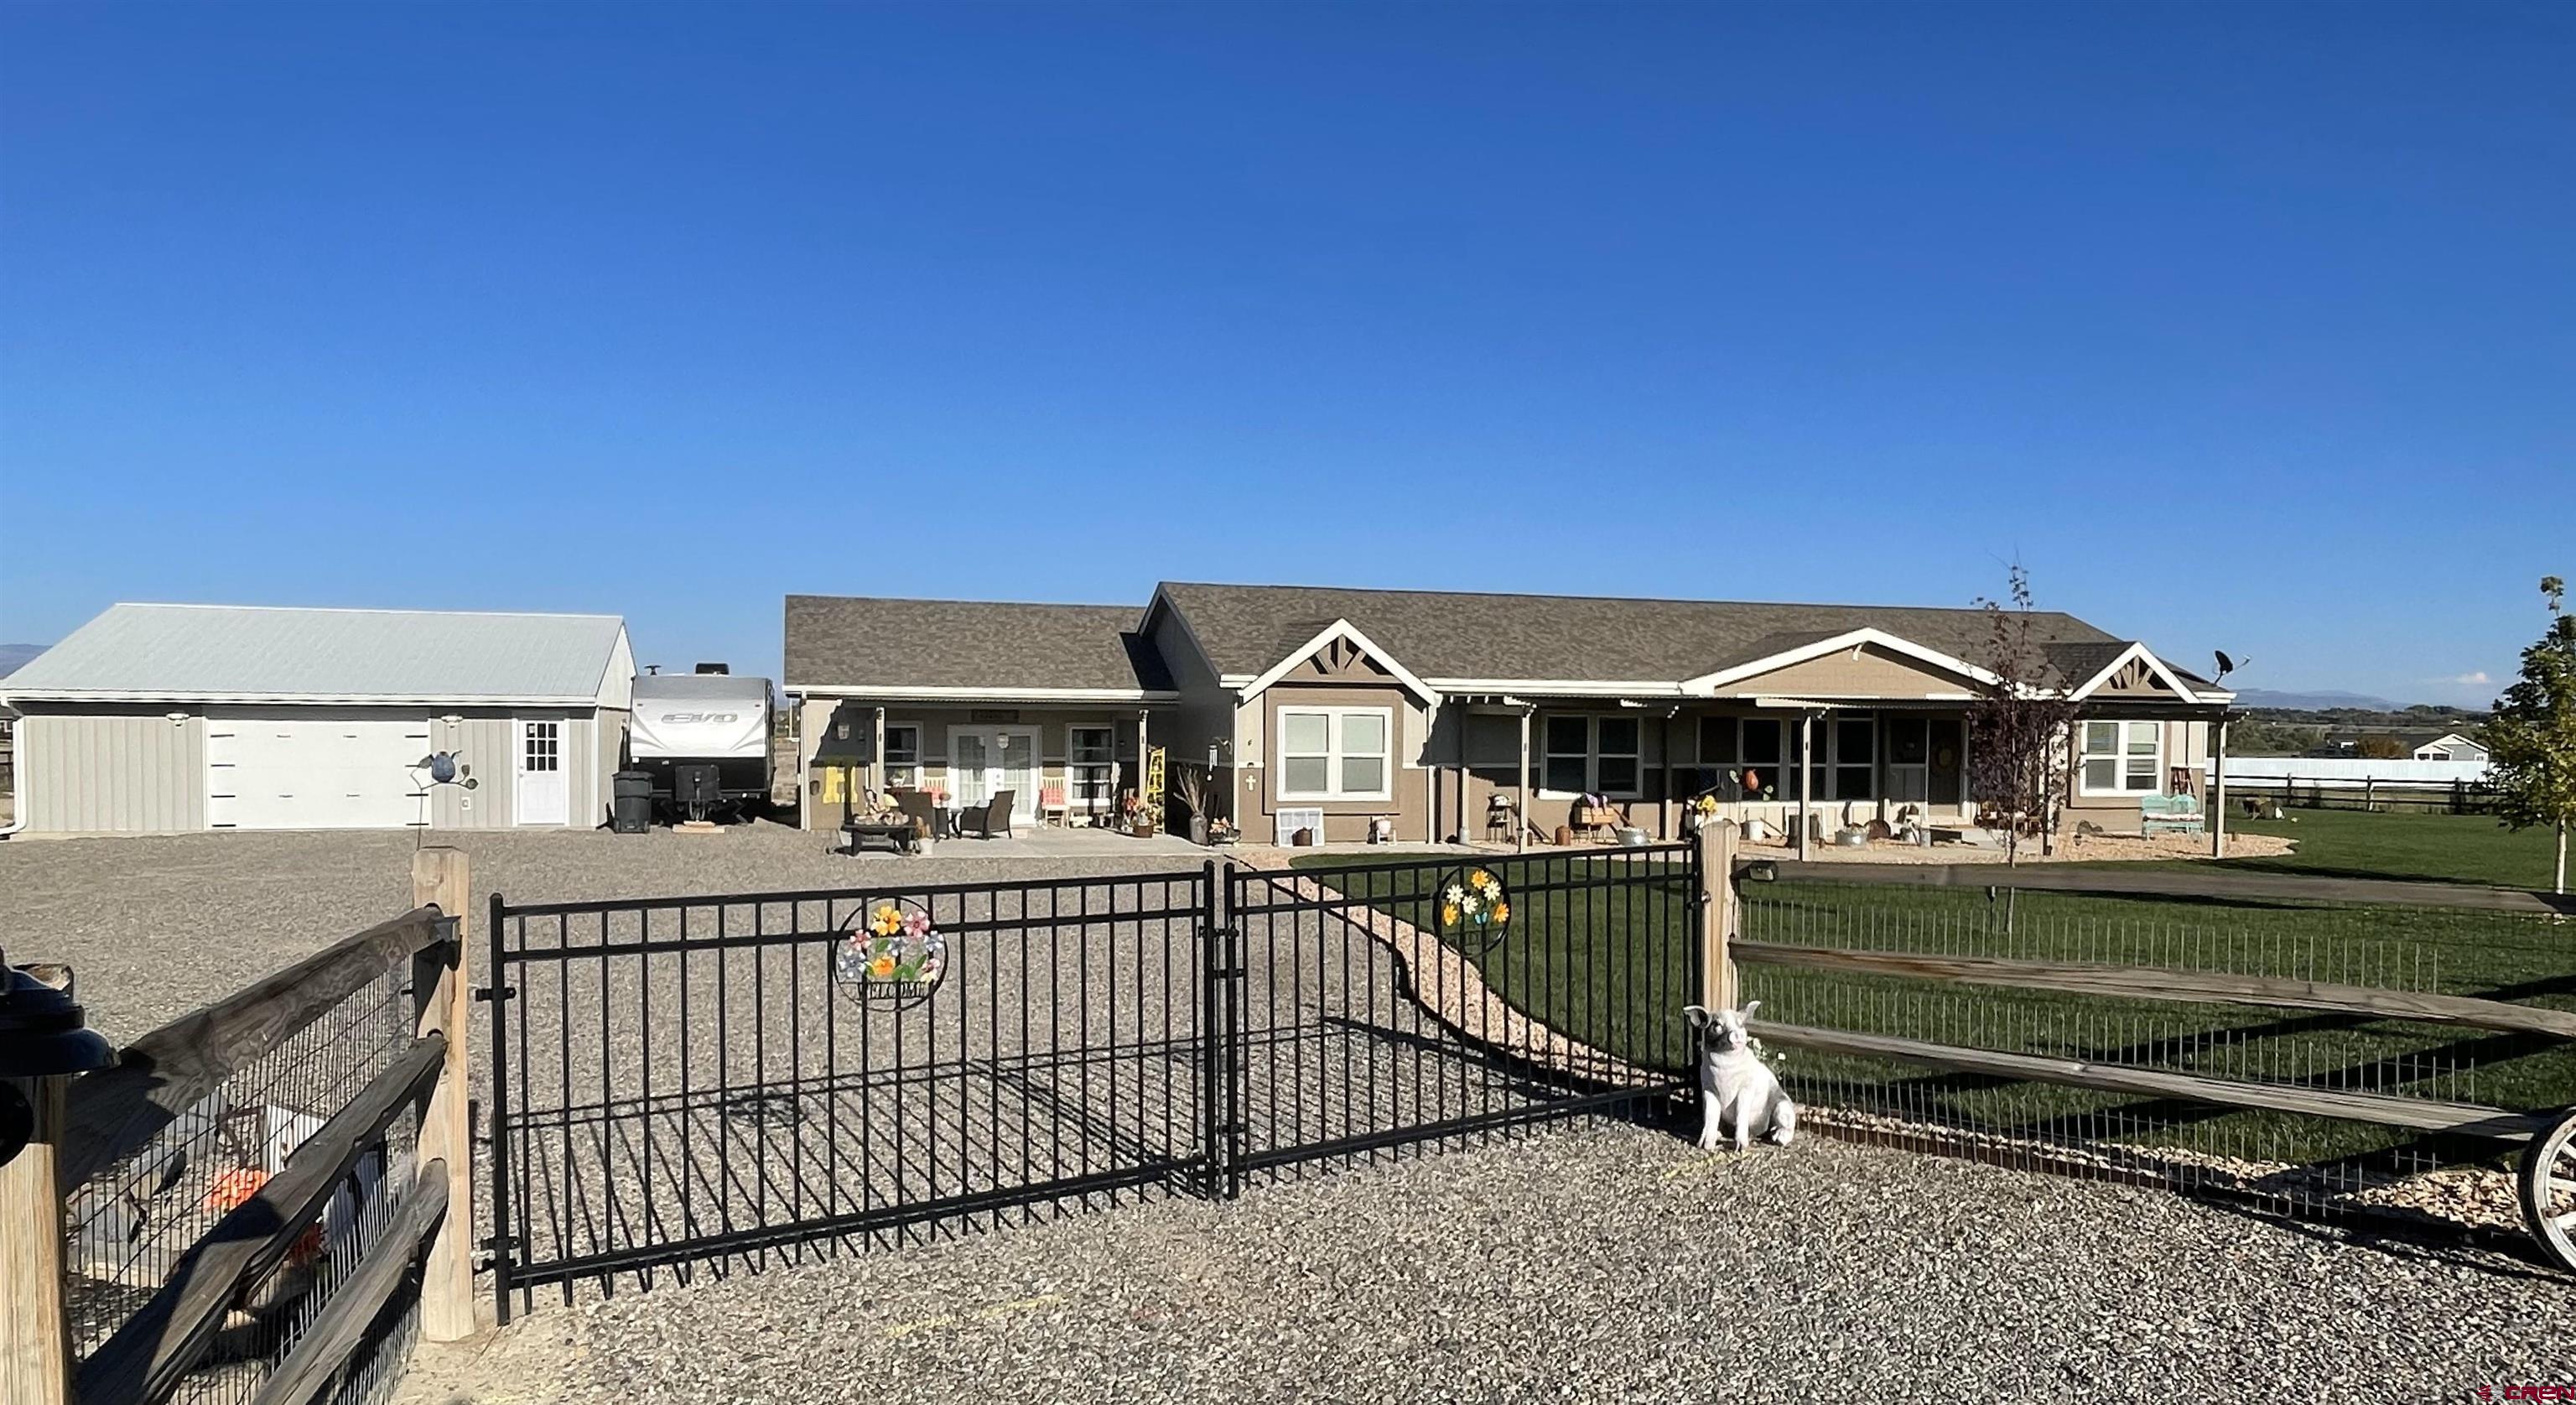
918, 807
988, 821
1051, 806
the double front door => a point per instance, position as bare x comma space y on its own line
985, 761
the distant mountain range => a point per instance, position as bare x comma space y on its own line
14, 656
2314, 702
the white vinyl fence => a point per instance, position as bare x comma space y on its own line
2338, 773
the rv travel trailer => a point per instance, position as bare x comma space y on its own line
704, 737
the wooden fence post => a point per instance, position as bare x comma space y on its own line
442, 998
35, 1336
1721, 915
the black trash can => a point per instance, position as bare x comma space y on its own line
631, 810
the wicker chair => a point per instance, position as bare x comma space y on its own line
990, 820
918, 807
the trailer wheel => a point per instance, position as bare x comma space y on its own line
2549, 1191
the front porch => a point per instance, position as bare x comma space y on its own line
1048, 842
1064, 764
1783, 762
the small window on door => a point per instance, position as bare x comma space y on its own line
541, 747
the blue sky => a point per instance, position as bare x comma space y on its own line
2243, 326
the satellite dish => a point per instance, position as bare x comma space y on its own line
2226, 665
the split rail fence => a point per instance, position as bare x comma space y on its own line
2308, 1042
265, 1201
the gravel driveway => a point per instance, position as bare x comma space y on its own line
1599, 1264
157, 925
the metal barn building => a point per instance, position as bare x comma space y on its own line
170, 718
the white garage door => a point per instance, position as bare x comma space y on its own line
313, 773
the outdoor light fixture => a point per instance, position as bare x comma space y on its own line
176, 716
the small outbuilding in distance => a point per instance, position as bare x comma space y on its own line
173, 718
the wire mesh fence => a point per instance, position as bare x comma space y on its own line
2281, 1159
132, 1225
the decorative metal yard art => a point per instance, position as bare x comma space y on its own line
1473, 910
893, 956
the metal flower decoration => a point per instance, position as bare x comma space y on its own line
1473, 907
892, 957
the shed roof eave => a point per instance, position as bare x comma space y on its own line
131, 695
945, 693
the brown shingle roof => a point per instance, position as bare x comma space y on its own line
1441, 634
857, 641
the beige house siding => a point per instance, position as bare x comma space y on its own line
2186, 744
1872, 671
111, 769
2135, 679
1324, 682
1203, 723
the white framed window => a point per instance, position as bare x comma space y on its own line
903, 755
1854, 775
1090, 767
2122, 758
1592, 755
1336, 753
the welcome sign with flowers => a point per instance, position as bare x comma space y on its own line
892, 956
1473, 907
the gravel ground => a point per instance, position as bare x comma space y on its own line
1596, 1264
1604, 1264
157, 925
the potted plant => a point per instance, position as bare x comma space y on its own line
1189, 791
1140, 819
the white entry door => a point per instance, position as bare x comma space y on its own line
544, 796
985, 761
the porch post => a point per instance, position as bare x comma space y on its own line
1145, 763
876, 749
1520, 801
1806, 778
2218, 787
1664, 769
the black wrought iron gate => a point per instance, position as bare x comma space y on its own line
713, 1079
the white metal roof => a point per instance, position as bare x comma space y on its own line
233, 653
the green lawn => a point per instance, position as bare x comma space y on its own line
2437, 848
1610, 967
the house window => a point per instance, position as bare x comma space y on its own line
1587, 755
1760, 754
1090, 767
903, 756
1567, 768
1616, 755
1335, 753
1854, 775
2123, 758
